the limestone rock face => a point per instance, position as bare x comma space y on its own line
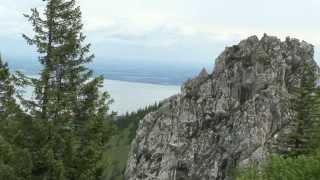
222, 120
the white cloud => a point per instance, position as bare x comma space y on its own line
171, 23
219, 20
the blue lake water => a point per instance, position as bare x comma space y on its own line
130, 96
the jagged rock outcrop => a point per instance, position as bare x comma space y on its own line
222, 120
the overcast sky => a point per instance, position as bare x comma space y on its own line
193, 31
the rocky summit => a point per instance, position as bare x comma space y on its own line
225, 120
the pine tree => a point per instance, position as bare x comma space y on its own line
69, 106
306, 104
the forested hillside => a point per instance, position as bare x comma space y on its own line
117, 150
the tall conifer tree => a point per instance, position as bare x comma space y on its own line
7, 102
15, 161
68, 102
306, 104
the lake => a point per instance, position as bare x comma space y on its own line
130, 96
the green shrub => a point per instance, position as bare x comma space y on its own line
303, 167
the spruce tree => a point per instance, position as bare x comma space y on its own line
7, 102
306, 104
15, 160
69, 108
6, 92
9, 110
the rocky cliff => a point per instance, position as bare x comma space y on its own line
223, 120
